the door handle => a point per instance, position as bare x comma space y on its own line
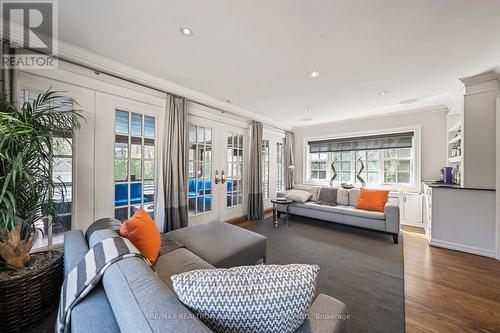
217, 178
223, 177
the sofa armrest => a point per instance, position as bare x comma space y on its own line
391, 211
75, 248
326, 315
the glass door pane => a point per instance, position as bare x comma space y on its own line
234, 170
200, 160
134, 164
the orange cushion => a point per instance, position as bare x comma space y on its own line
141, 230
372, 200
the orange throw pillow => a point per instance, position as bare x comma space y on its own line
372, 200
142, 231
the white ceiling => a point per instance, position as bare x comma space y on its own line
259, 53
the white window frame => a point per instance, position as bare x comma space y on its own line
318, 160
414, 186
265, 161
280, 174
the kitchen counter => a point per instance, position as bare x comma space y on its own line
456, 186
460, 218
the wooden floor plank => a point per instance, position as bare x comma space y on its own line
449, 291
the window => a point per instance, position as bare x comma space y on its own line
318, 164
134, 170
62, 171
370, 160
265, 168
280, 174
199, 170
234, 177
397, 166
386, 159
342, 161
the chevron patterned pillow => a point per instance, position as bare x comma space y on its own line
262, 298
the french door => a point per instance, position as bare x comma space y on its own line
127, 156
216, 170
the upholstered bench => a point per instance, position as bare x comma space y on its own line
222, 244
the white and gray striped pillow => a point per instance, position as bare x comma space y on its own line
262, 298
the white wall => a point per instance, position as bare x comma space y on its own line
479, 131
433, 136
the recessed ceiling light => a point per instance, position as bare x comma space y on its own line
309, 109
314, 75
382, 93
409, 101
186, 31
306, 119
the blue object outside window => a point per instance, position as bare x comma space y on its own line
135, 193
121, 194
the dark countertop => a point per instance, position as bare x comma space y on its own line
457, 187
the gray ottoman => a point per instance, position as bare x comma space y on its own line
222, 244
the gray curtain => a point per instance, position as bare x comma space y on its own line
289, 161
255, 198
174, 202
9, 75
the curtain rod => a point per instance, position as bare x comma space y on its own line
98, 71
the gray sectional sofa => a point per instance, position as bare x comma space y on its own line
135, 298
345, 211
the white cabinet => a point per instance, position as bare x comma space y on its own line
461, 219
411, 209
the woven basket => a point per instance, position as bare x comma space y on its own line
29, 298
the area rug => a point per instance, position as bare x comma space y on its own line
361, 268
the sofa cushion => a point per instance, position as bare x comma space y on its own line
353, 196
346, 210
222, 244
178, 261
343, 197
314, 190
373, 200
336, 217
142, 231
142, 303
248, 299
327, 196
318, 322
298, 195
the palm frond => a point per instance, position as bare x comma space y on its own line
27, 186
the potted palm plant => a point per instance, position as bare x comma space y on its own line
29, 282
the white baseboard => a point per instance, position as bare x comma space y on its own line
413, 224
463, 248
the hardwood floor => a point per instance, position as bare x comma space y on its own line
445, 290
449, 291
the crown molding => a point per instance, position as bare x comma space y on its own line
482, 77
401, 113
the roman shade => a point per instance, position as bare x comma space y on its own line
372, 142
